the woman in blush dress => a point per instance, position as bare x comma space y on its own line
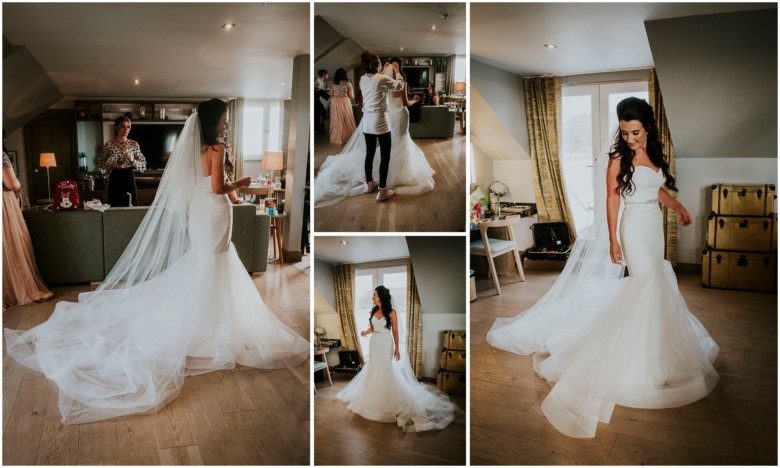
22, 284
342, 121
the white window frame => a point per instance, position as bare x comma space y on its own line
360, 310
266, 105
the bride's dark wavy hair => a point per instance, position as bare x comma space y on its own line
209, 113
386, 303
629, 109
371, 62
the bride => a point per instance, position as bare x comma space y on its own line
409, 173
178, 302
386, 390
603, 339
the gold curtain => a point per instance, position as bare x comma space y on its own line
236, 135
670, 217
343, 282
414, 322
449, 82
542, 106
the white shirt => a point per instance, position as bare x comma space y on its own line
374, 88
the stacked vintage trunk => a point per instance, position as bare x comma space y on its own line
451, 378
741, 250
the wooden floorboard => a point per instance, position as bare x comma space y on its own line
242, 416
735, 425
443, 209
342, 437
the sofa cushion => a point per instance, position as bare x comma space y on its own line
68, 245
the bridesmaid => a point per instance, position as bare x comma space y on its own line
342, 121
22, 284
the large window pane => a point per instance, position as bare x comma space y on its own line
253, 132
577, 157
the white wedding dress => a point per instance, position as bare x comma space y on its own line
179, 302
602, 339
343, 175
387, 391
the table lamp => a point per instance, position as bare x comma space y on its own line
48, 160
272, 161
460, 88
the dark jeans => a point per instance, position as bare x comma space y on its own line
384, 150
120, 183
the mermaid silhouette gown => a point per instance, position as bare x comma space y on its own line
630, 342
127, 351
387, 391
343, 174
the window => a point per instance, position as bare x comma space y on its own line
587, 128
366, 280
262, 128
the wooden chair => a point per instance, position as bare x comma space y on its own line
491, 248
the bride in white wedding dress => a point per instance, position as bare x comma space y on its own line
386, 390
409, 173
603, 339
178, 302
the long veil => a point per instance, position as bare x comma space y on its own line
417, 407
580, 290
178, 302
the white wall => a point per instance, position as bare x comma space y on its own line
517, 177
695, 177
433, 325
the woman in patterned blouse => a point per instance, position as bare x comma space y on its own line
119, 157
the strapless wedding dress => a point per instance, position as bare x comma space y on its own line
631, 342
387, 391
343, 175
111, 357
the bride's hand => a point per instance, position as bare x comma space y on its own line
615, 253
243, 182
397, 355
683, 217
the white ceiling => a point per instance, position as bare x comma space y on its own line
361, 249
591, 37
176, 50
383, 28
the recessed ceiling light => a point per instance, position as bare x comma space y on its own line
402, 49
551, 46
229, 26
343, 242
136, 81
282, 84
433, 28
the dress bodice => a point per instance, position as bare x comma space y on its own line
394, 103
646, 184
340, 90
379, 322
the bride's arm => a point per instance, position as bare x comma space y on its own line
683, 217
216, 158
369, 331
394, 318
613, 205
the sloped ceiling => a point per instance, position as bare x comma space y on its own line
439, 265
384, 28
489, 132
718, 77
332, 50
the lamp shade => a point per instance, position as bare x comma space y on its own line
48, 160
273, 161
460, 86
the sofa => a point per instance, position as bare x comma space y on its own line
82, 246
435, 122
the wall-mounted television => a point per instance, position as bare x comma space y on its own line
156, 141
417, 76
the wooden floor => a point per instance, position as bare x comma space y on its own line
242, 416
443, 209
341, 437
735, 424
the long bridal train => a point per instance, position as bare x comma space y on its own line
387, 390
179, 302
343, 175
602, 339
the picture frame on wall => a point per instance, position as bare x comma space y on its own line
14, 161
